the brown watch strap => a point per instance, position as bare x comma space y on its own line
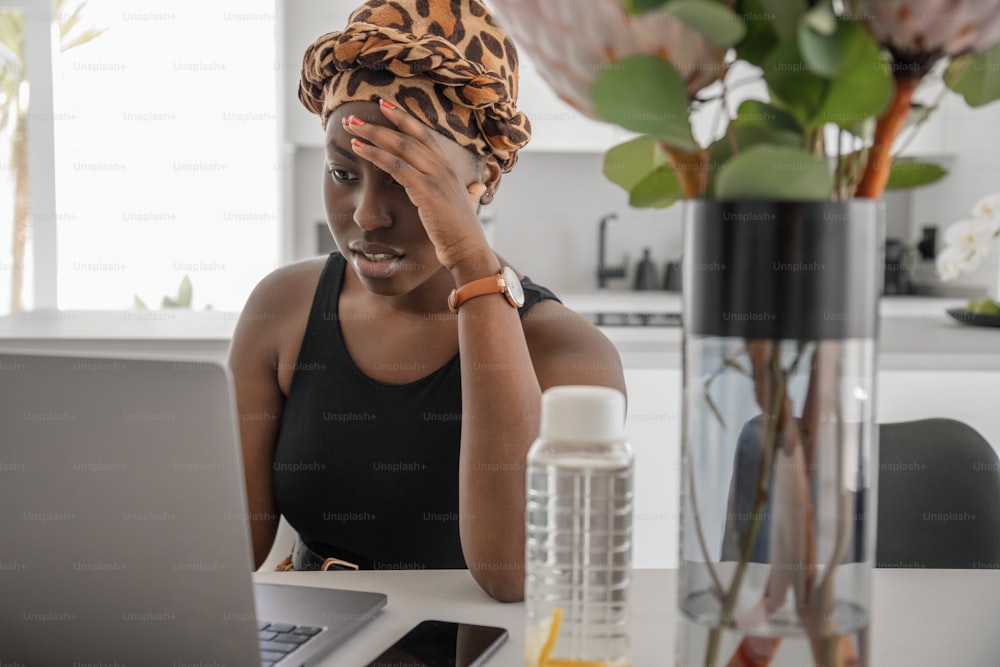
489, 285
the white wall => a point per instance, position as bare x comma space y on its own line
547, 217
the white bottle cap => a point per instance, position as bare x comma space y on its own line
582, 414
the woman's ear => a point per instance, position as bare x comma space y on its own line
491, 173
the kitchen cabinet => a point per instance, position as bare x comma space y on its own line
653, 427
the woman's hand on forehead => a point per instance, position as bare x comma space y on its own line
437, 174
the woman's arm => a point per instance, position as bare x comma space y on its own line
501, 396
505, 367
267, 325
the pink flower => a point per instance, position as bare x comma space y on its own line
919, 32
573, 41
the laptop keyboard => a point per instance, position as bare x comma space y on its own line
279, 639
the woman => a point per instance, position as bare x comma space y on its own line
389, 394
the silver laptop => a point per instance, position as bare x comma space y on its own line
123, 524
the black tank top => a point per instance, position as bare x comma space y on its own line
368, 471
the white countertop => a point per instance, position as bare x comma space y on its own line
910, 339
916, 332
614, 301
919, 617
182, 324
655, 302
168, 324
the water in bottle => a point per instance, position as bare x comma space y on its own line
579, 531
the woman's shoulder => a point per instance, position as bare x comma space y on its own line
284, 289
566, 348
269, 332
278, 307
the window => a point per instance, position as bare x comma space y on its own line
165, 155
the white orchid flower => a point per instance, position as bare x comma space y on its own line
974, 235
955, 260
987, 207
967, 242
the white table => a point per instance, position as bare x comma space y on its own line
935, 618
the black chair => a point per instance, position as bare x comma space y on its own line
938, 496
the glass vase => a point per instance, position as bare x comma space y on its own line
779, 439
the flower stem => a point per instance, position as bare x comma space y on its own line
700, 533
775, 404
876, 173
952, 75
689, 166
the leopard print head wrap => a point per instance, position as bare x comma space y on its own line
444, 61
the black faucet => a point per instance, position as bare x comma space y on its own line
604, 271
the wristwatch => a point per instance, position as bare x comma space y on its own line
503, 282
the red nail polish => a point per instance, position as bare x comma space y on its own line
357, 143
387, 104
354, 120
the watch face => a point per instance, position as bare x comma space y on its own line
514, 290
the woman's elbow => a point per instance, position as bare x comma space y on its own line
501, 586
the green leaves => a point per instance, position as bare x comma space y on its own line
904, 175
716, 22
184, 294
645, 94
659, 189
820, 69
837, 77
976, 78
828, 53
761, 37
745, 137
774, 173
627, 164
643, 169
640, 6
860, 82
755, 112
863, 90
792, 84
784, 15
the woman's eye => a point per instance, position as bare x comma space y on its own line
340, 175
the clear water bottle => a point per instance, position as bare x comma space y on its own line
578, 554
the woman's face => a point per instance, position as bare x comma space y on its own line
372, 220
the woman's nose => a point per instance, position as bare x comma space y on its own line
372, 210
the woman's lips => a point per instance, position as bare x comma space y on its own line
375, 265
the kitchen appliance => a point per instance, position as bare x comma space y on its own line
645, 272
927, 245
606, 271
672, 276
898, 263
